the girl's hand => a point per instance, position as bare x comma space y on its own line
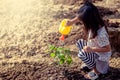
87, 49
72, 21
69, 23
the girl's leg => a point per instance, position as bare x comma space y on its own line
81, 43
87, 58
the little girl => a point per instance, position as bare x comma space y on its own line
95, 51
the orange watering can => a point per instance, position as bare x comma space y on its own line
63, 29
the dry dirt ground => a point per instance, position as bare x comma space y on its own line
27, 26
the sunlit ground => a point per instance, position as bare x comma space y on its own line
22, 26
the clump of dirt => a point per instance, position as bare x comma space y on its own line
106, 11
67, 2
114, 39
114, 25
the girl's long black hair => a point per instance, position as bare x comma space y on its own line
91, 18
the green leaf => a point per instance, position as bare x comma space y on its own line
67, 51
69, 60
61, 56
51, 47
52, 55
59, 50
61, 61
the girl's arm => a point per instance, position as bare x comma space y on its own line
72, 21
102, 49
96, 49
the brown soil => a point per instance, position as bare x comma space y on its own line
43, 71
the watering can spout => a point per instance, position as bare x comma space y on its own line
62, 37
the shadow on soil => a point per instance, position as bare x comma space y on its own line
113, 74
